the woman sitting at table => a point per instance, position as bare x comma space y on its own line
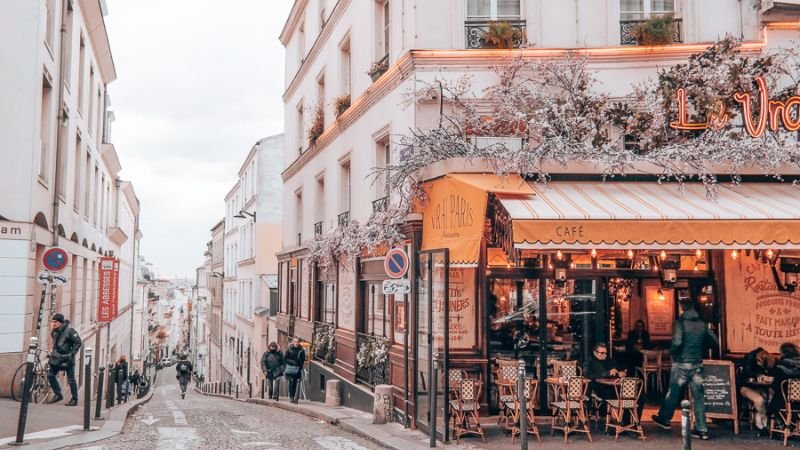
788, 366
754, 366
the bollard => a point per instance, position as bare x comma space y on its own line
263, 383
87, 390
249, 390
99, 401
523, 403
26, 391
237, 390
382, 404
333, 393
686, 432
110, 387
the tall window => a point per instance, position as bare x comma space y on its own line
644, 9
298, 215
382, 160
96, 194
319, 208
323, 17
383, 28
493, 9
68, 19
44, 129
81, 72
301, 41
345, 67
301, 132
344, 191
50, 17
63, 131
377, 321
87, 194
76, 176
90, 117
321, 95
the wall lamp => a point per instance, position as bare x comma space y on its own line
790, 268
242, 214
669, 269
218, 274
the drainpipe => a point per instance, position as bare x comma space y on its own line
61, 120
133, 279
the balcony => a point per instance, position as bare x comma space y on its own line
628, 27
318, 229
475, 30
344, 219
324, 344
374, 372
380, 204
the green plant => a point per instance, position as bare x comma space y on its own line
501, 35
657, 30
340, 104
317, 125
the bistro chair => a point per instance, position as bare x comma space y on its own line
628, 391
571, 413
651, 365
564, 370
531, 389
790, 413
507, 373
466, 417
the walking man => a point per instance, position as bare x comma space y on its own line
294, 359
135, 379
65, 343
272, 366
690, 338
183, 373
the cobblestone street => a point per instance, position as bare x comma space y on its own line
199, 422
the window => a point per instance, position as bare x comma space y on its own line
96, 194
322, 14
301, 132
321, 95
493, 10
81, 72
382, 160
644, 9
50, 17
90, 117
326, 296
87, 186
298, 215
345, 67
344, 188
76, 176
63, 131
382, 28
319, 208
301, 41
68, 46
44, 129
377, 321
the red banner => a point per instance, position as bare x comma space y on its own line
107, 307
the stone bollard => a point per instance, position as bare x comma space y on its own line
382, 407
333, 393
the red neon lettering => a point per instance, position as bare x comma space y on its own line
683, 122
788, 122
744, 98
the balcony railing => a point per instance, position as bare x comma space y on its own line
380, 204
627, 30
318, 229
324, 344
344, 219
372, 376
475, 30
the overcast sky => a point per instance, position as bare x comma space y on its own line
198, 83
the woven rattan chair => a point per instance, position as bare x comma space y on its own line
531, 391
506, 380
790, 413
651, 365
628, 392
466, 415
571, 412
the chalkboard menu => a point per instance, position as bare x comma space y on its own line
720, 391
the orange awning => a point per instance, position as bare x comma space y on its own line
584, 215
455, 211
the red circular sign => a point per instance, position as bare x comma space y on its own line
396, 263
55, 259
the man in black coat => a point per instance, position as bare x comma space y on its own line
272, 366
183, 373
65, 343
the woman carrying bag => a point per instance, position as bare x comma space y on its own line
294, 359
272, 366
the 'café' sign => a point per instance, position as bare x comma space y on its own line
770, 112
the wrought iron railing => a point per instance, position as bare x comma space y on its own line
380, 204
475, 30
627, 31
344, 219
318, 229
371, 375
324, 343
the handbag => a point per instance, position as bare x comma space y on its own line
291, 371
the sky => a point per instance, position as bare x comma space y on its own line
198, 83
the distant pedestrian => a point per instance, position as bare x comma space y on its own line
65, 343
135, 379
121, 378
183, 372
272, 366
690, 339
294, 359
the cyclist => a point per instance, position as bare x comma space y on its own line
183, 372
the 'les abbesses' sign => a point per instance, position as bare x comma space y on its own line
107, 307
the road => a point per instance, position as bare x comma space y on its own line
200, 422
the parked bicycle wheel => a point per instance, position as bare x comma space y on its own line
40, 388
18, 383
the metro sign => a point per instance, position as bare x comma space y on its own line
771, 113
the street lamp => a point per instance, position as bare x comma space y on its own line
218, 274
242, 214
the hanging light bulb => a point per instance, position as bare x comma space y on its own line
572, 265
698, 253
663, 254
594, 253
549, 266
769, 253
559, 255
734, 254
660, 294
630, 254
695, 267
655, 267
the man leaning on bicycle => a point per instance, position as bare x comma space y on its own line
65, 344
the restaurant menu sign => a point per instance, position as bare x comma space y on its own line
305, 294
462, 309
347, 285
758, 314
660, 311
108, 304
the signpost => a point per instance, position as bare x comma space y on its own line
55, 259
396, 263
402, 286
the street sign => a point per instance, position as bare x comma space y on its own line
55, 259
396, 263
43, 277
396, 286
59, 279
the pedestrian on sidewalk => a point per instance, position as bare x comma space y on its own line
294, 359
65, 343
135, 379
183, 372
690, 338
121, 377
272, 366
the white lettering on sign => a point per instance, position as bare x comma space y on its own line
396, 286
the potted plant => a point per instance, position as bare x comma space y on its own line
317, 126
340, 104
657, 30
378, 68
501, 34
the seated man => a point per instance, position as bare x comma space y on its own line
638, 338
599, 366
754, 367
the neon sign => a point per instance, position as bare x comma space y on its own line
770, 112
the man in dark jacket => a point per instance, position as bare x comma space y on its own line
599, 366
294, 359
753, 367
788, 366
135, 379
65, 343
272, 366
183, 373
121, 371
690, 338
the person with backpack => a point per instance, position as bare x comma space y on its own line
690, 339
183, 373
121, 378
134, 380
65, 344
294, 359
272, 366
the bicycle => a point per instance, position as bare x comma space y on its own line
40, 387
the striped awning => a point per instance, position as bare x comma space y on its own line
651, 215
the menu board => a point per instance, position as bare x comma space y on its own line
347, 283
461, 296
719, 383
660, 311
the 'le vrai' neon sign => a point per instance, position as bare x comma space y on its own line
770, 113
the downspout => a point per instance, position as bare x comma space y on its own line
133, 281
61, 121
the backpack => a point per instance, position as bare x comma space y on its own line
183, 369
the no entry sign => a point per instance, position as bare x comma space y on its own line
396, 263
55, 259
